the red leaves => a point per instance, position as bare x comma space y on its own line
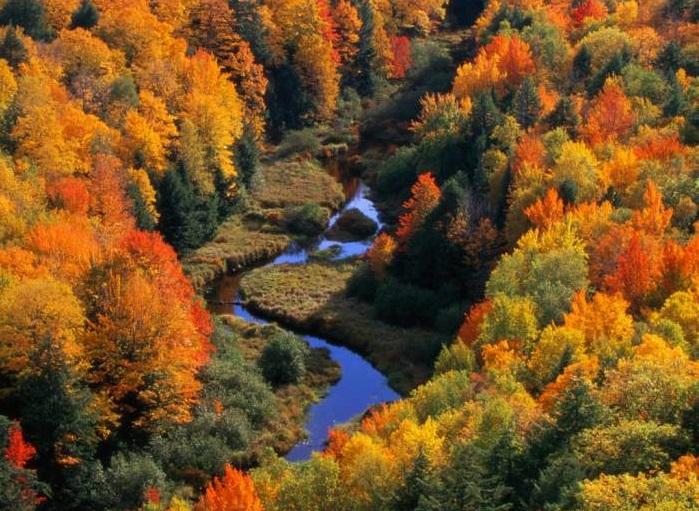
425, 195
71, 194
402, 59
18, 451
611, 115
592, 9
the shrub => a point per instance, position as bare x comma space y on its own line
309, 219
300, 141
130, 475
363, 284
283, 360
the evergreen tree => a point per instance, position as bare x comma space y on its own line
12, 48
367, 81
247, 157
419, 488
186, 220
469, 486
527, 104
58, 418
564, 116
582, 65
614, 67
676, 103
140, 209
28, 14
86, 16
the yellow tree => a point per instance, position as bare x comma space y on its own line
212, 112
211, 28
37, 311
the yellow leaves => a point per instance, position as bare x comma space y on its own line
622, 170
140, 178
149, 132
654, 218
410, 439
555, 343
627, 12
314, 59
474, 77
8, 86
577, 164
604, 322
381, 254
214, 111
59, 12
34, 312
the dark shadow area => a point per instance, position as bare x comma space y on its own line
462, 13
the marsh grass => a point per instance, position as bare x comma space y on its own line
298, 182
260, 234
312, 298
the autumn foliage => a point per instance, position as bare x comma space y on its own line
234, 491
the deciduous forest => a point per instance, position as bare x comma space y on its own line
349, 255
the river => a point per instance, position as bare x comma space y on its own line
361, 385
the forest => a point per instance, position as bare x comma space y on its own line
349, 255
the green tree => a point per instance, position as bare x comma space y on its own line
85, 16
28, 14
283, 360
527, 104
12, 48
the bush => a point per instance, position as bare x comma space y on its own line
353, 225
283, 360
362, 284
404, 304
300, 141
457, 357
308, 220
130, 475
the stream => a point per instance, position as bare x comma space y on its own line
361, 385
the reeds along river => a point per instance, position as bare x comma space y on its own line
361, 385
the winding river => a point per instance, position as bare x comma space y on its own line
361, 385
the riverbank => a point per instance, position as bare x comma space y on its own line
261, 232
287, 428
312, 298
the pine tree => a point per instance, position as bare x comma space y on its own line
469, 486
28, 14
247, 156
12, 48
178, 212
419, 488
564, 116
527, 103
582, 65
86, 16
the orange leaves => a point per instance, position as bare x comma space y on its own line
71, 194
654, 218
381, 254
588, 9
636, 273
503, 63
18, 451
400, 46
611, 115
425, 195
234, 491
348, 25
661, 148
546, 211
471, 327
514, 57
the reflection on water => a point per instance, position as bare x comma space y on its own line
361, 386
